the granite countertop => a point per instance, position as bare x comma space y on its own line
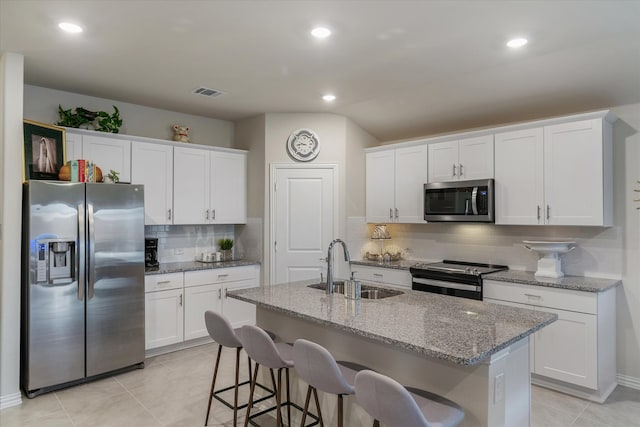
576, 283
458, 330
402, 264
176, 267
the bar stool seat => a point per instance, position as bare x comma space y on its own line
317, 367
387, 401
220, 330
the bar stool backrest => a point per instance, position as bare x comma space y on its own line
387, 401
315, 365
220, 330
261, 348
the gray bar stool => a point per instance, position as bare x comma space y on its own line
388, 401
315, 365
263, 351
220, 331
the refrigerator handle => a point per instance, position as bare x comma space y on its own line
80, 256
92, 250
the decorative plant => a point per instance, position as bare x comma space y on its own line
113, 175
225, 244
82, 118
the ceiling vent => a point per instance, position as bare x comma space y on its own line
205, 91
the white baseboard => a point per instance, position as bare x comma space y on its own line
628, 381
10, 400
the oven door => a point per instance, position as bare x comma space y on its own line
444, 287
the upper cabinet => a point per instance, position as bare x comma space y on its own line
394, 184
152, 166
464, 159
209, 187
108, 153
559, 174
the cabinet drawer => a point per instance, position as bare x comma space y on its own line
539, 296
162, 282
219, 275
382, 275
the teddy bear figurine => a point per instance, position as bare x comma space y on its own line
181, 133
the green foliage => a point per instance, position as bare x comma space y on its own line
80, 117
225, 244
113, 175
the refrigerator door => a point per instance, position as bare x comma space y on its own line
53, 326
115, 277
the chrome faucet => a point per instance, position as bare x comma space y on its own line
330, 263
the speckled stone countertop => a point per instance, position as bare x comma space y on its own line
177, 267
458, 330
403, 264
576, 283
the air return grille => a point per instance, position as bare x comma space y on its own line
205, 91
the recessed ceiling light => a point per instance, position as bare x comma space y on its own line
69, 27
321, 32
515, 43
329, 97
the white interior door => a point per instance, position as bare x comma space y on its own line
302, 219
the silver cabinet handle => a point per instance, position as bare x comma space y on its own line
213, 214
180, 301
225, 293
533, 296
548, 212
538, 212
378, 274
222, 276
454, 170
460, 169
219, 293
207, 214
163, 282
390, 213
169, 214
396, 213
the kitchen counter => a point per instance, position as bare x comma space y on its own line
457, 330
402, 264
576, 283
177, 267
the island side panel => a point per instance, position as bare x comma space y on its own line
472, 387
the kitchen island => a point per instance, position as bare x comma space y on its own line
472, 352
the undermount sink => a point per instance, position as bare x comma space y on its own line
368, 292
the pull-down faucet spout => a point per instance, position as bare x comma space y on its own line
330, 263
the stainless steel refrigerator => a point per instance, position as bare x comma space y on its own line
82, 282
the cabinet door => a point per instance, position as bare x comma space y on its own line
163, 318
108, 154
475, 158
238, 312
228, 188
573, 168
390, 276
410, 177
443, 161
191, 186
519, 180
197, 300
152, 166
380, 186
567, 349
74, 146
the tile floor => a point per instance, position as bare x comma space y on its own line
172, 390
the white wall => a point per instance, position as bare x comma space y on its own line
11, 79
41, 104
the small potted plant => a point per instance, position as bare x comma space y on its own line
112, 176
226, 246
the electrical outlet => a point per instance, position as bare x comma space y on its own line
498, 388
178, 251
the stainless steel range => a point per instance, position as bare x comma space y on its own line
455, 278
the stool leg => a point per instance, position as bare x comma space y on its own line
306, 406
235, 392
213, 383
315, 397
376, 423
339, 410
253, 385
279, 399
288, 399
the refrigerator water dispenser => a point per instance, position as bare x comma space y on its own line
55, 261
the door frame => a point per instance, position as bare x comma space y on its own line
274, 167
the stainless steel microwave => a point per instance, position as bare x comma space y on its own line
459, 201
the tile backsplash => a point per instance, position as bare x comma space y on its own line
178, 243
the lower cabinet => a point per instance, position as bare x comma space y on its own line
389, 276
176, 315
577, 353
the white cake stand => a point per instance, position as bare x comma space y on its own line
549, 264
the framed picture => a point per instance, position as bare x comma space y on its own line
44, 150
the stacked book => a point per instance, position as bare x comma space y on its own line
83, 171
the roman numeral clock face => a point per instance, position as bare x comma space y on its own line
303, 145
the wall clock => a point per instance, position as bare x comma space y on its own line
303, 145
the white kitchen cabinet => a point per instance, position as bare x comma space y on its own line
107, 152
164, 310
394, 184
464, 159
390, 276
152, 166
199, 299
209, 187
577, 353
560, 174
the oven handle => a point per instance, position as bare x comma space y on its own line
443, 284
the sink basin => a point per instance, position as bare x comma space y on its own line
368, 292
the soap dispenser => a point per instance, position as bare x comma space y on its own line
353, 288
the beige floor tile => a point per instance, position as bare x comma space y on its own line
548, 416
116, 411
56, 419
89, 395
36, 408
622, 409
557, 400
